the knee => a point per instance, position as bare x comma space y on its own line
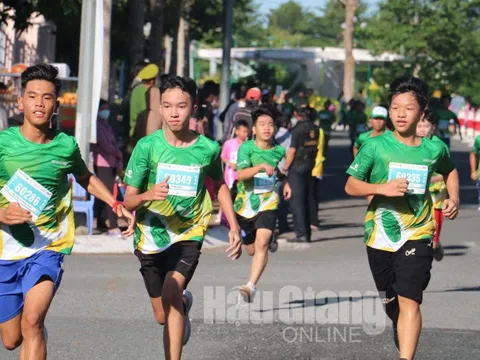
160, 317
408, 305
250, 250
11, 344
172, 295
32, 323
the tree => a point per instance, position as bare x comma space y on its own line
107, 25
439, 40
136, 43
156, 34
349, 67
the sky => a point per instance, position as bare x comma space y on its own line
312, 4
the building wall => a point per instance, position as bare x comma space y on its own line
34, 45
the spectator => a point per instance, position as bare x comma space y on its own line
283, 137
108, 162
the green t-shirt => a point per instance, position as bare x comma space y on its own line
186, 212
260, 193
390, 222
444, 118
476, 151
362, 138
45, 167
138, 103
327, 118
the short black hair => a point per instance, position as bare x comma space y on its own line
283, 120
262, 110
446, 97
430, 116
42, 72
241, 123
172, 82
103, 102
410, 84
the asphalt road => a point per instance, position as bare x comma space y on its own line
315, 301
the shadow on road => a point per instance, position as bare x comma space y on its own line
305, 303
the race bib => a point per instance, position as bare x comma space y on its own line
361, 128
183, 180
27, 192
233, 157
262, 183
417, 176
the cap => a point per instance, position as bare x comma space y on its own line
379, 112
148, 72
254, 94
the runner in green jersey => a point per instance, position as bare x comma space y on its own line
395, 169
36, 213
257, 199
166, 186
378, 120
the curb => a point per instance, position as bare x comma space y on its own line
103, 244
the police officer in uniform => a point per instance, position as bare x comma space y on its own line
299, 165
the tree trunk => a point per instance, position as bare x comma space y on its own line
183, 43
107, 24
176, 39
136, 20
349, 69
155, 53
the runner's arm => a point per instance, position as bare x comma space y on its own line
248, 173
289, 158
453, 185
355, 187
473, 164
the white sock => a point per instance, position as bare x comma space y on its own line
251, 285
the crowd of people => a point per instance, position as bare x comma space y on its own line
269, 160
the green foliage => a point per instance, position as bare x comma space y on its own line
440, 40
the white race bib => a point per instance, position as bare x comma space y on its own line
417, 176
262, 183
27, 192
183, 180
233, 157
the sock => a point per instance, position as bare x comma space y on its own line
251, 286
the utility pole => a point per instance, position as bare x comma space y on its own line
349, 66
227, 46
89, 75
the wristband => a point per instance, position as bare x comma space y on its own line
115, 205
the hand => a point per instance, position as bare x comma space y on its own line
233, 166
474, 176
287, 191
394, 188
450, 208
158, 191
14, 215
268, 169
128, 217
235, 249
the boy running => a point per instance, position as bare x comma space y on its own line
165, 184
257, 199
378, 121
230, 151
36, 214
437, 188
395, 169
475, 166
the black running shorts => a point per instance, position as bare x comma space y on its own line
405, 272
181, 257
263, 220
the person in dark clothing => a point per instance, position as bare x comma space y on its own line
299, 165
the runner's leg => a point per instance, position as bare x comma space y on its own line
37, 303
172, 300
